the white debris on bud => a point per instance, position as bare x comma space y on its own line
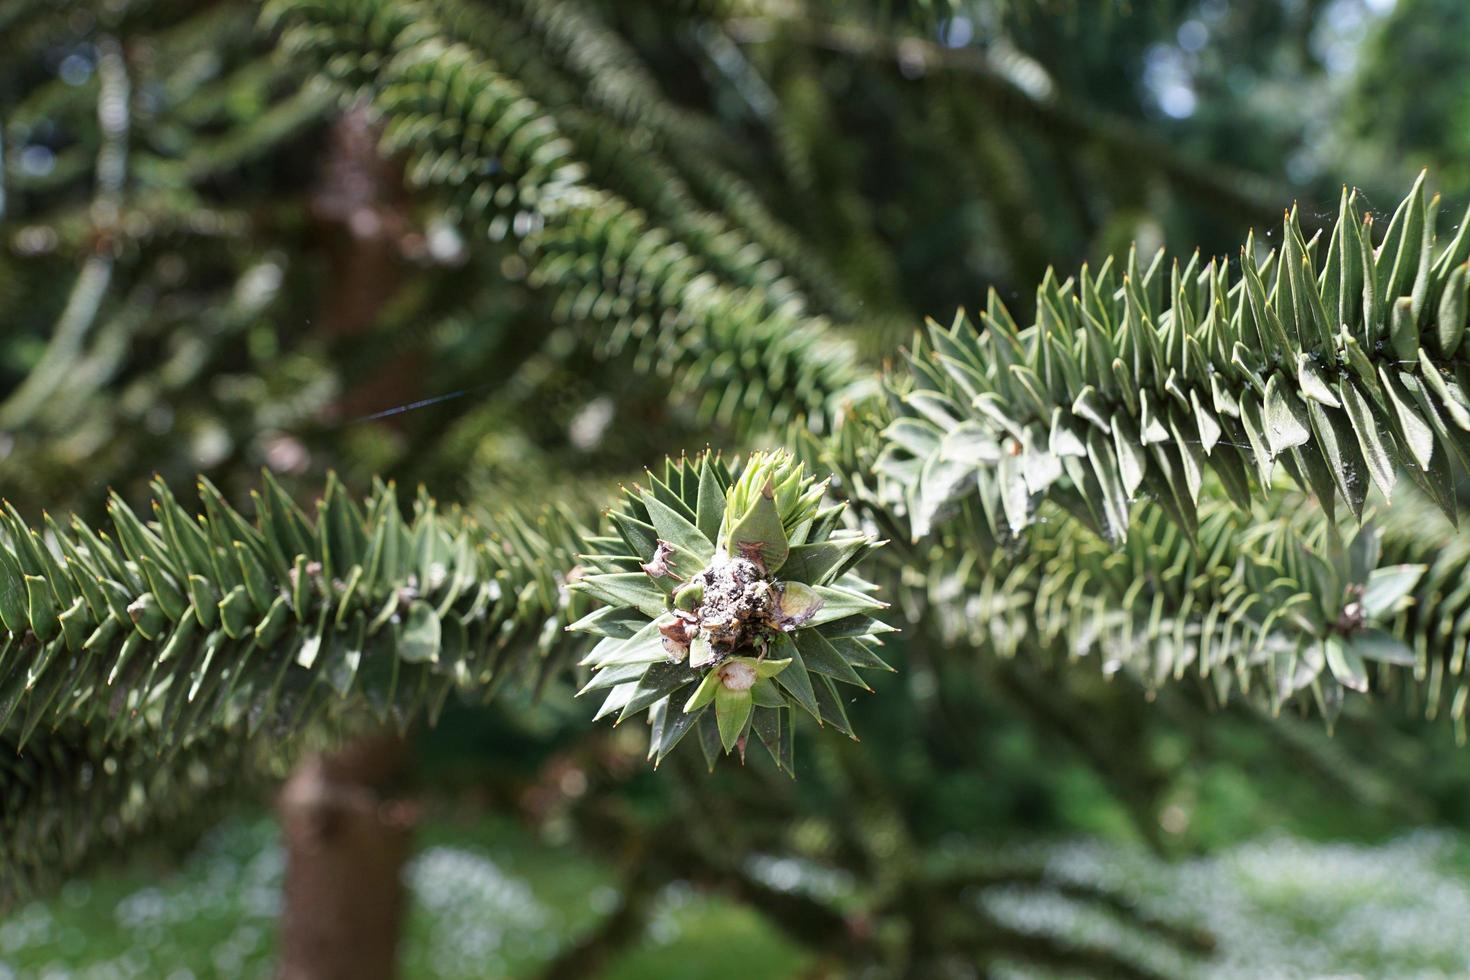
737, 676
735, 604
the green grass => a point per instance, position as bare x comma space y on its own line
726, 941
490, 900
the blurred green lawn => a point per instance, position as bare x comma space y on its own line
489, 900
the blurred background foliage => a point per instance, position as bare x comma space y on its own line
207, 266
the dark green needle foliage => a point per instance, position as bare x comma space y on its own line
563, 229
1159, 402
189, 623
728, 600
1340, 358
731, 605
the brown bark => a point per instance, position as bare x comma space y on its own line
362, 210
348, 833
347, 828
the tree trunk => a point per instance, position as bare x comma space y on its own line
347, 836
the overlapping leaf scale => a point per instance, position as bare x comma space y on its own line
1436, 626
597, 152
566, 55
751, 359
1250, 607
638, 145
1337, 360
688, 502
1256, 603
185, 622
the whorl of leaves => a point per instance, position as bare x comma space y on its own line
729, 604
1342, 360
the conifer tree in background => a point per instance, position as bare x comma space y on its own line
519, 269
